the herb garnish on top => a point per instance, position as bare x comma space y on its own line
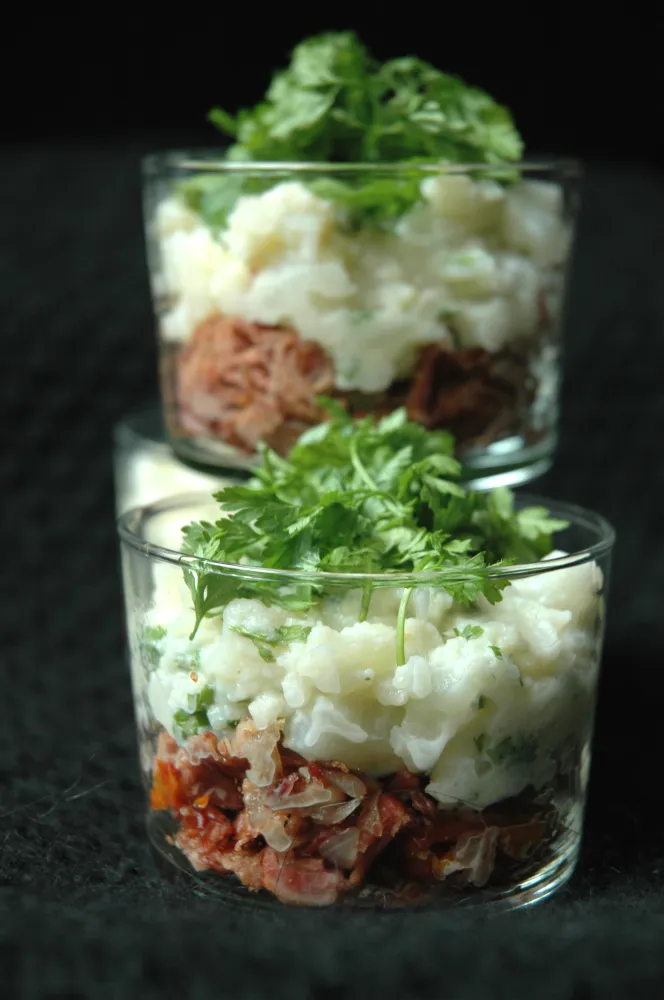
361, 496
335, 103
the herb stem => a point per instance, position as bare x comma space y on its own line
366, 601
401, 626
360, 469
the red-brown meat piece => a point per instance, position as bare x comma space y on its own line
470, 392
244, 383
314, 830
304, 881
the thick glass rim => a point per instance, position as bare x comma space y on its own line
212, 160
128, 525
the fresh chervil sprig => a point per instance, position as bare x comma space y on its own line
360, 496
336, 103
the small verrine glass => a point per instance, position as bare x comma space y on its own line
438, 288
380, 746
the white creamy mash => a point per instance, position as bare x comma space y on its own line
474, 255
484, 711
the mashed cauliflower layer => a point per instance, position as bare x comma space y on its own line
473, 265
483, 711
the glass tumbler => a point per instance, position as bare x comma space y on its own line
358, 740
146, 470
437, 288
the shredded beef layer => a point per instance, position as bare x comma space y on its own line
242, 382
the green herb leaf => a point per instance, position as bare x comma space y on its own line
514, 750
200, 700
278, 637
195, 719
260, 641
190, 723
356, 496
335, 103
469, 632
522, 536
154, 633
497, 652
151, 646
293, 633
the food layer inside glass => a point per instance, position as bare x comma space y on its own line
386, 738
411, 281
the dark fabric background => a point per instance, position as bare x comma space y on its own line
584, 85
82, 911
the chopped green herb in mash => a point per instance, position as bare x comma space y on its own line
195, 719
262, 641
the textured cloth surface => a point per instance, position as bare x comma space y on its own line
83, 911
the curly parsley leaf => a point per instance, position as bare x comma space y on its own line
335, 103
522, 536
359, 496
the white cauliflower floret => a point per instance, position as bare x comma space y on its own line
574, 588
334, 730
237, 667
326, 718
287, 221
483, 255
191, 261
486, 323
337, 662
539, 630
461, 672
341, 610
486, 702
512, 311
472, 272
475, 204
172, 216
533, 221
175, 691
266, 708
290, 294
253, 616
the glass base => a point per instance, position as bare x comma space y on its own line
510, 462
212, 457
538, 886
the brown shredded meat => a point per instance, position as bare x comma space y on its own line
244, 382
476, 395
309, 832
